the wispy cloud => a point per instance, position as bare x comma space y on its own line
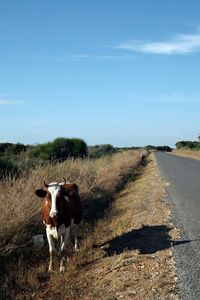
82, 57
5, 102
73, 58
179, 44
91, 58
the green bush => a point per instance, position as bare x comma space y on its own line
59, 150
15, 158
8, 166
158, 148
12, 148
188, 145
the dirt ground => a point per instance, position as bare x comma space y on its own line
129, 255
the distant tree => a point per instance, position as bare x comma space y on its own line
41, 152
100, 150
62, 148
12, 148
188, 144
158, 148
8, 167
16, 148
59, 150
4, 147
150, 147
80, 148
178, 145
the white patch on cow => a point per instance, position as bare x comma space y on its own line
50, 238
53, 189
52, 231
56, 234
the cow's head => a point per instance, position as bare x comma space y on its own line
52, 194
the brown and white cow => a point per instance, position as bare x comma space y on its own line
61, 210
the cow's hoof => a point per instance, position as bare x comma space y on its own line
50, 270
62, 269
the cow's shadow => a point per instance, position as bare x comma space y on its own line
147, 240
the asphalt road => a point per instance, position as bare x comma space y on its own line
183, 176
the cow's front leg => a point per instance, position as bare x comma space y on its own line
64, 240
51, 254
52, 248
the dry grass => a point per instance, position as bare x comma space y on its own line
128, 256
188, 153
98, 181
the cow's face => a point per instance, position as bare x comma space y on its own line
52, 194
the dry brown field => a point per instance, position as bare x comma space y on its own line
126, 235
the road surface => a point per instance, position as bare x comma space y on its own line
183, 178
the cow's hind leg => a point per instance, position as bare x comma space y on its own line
76, 244
74, 229
64, 240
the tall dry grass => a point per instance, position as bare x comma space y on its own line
20, 208
98, 180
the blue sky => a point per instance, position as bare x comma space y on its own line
110, 71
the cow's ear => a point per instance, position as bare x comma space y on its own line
41, 193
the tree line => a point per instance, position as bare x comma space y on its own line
158, 148
18, 158
188, 145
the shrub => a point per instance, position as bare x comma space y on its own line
59, 150
8, 166
100, 150
158, 148
188, 145
63, 148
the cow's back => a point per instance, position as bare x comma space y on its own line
75, 203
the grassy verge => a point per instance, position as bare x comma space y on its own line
23, 273
128, 256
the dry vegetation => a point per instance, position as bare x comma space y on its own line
126, 255
187, 153
23, 269
129, 255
